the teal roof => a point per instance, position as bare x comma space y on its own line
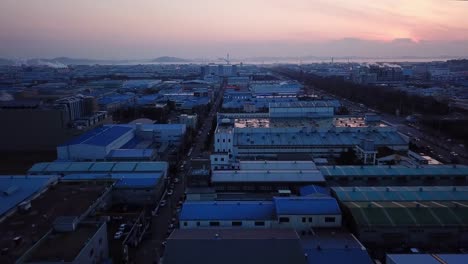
385, 171
426, 193
97, 167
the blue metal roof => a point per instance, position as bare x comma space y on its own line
227, 210
15, 189
101, 136
137, 182
412, 259
308, 205
313, 190
131, 153
334, 246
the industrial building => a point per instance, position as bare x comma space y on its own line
394, 217
278, 88
221, 245
84, 243
300, 213
324, 246
398, 175
307, 130
224, 245
66, 168
18, 190
427, 258
62, 206
267, 176
121, 142
129, 188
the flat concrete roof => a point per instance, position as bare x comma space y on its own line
63, 199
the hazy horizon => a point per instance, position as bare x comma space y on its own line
144, 29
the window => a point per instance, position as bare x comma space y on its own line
198, 223
259, 223
91, 253
215, 159
100, 241
224, 140
310, 219
329, 219
236, 223
284, 219
185, 223
229, 140
222, 159
303, 219
218, 140
214, 223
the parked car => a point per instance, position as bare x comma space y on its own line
118, 235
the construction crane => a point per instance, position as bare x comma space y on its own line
227, 60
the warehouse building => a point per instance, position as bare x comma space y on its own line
118, 142
427, 258
396, 175
220, 245
300, 213
267, 180
394, 217
66, 168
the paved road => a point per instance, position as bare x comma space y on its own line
436, 147
151, 250
442, 149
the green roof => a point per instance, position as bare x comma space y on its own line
409, 214
421, 193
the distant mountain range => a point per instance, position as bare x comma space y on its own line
166, 59
61, 62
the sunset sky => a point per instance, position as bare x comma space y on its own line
134, 29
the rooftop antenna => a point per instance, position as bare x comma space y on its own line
332, 60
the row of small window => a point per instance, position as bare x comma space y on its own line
224, 150
224, 140
328, 219
234, 223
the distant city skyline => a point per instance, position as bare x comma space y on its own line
139, 29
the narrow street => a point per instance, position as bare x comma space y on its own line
166, 211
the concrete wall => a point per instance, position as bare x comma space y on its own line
96, 250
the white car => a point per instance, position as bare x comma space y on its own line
170, 192
118, 235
